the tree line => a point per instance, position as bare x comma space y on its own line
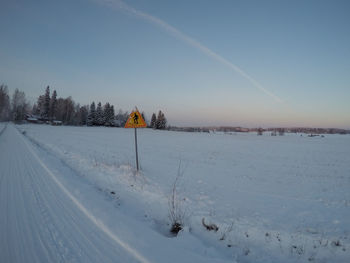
13, 109
159, 122
50, 108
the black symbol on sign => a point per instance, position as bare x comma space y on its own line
136, 118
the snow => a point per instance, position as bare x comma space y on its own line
274, 198
2, 125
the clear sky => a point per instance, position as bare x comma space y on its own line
238, 63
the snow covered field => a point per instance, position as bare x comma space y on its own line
274, 199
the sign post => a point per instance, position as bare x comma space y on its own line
137, 156
135, 121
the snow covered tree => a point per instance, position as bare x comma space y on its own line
159, 117
161, 121
121, 118
4, 103
53, 105
105, 110
153, 121
68, 110
19, 105
80, 115
108, 111
91, 119
83, 114
99, 115
76, 118
40, 106
60, 109
112, 114
46, 110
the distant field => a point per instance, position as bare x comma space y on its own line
261, 184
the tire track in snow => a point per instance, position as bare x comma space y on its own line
3, 129
55, 235
91, 217
1, 132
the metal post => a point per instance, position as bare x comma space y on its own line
137, 157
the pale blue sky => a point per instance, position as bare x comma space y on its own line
139, 52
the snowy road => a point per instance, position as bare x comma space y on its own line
40, 221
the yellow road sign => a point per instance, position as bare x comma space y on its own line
135, 120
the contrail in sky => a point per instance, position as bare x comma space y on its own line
187, 39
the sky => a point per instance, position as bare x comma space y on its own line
202, 62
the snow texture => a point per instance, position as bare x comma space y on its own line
72, 194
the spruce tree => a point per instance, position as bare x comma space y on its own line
112, 115
46, 112
108, 117
153, 121
99, 115
159, 120
91, 120
40, 105
53, 105
163, 122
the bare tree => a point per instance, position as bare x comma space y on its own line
176, 206
19, 106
